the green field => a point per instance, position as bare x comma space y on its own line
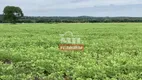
113, 51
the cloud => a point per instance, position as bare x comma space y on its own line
73, 4
39, 7
76, 1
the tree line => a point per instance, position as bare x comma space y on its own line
12, 14
81, 19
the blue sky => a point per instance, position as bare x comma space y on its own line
103, 8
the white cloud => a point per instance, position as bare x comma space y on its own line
40, 6
73, 4
66, 3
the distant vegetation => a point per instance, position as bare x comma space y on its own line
80, 19
1, 18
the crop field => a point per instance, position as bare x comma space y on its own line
112, 51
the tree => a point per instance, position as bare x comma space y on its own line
12, 14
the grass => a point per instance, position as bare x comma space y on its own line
112, 52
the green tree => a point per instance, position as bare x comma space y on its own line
12, 14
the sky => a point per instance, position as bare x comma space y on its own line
97, 8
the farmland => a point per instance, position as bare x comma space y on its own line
113, 51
